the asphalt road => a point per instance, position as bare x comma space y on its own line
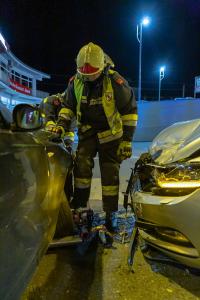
93, 272
103, 274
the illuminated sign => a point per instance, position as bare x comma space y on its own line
19, 87
3, 41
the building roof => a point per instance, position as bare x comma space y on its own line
5, 51
40, 75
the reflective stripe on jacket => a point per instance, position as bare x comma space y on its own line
130, 120
108, 102
117, 114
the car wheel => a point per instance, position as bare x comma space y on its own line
65, 225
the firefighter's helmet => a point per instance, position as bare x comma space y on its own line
90, 60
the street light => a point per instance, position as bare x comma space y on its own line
161, 76
144, 22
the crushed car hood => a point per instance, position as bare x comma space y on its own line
176, 142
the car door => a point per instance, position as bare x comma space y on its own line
25, 209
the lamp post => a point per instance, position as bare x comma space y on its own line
161, 76
144, 22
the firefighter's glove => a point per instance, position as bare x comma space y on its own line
54, 128
124, 150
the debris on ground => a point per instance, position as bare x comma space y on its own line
91, 225
124, 224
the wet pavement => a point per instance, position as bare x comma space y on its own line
90, 271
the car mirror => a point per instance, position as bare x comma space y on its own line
27, 117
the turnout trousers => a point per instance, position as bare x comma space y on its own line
109, 167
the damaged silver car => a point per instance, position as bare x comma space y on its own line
165, 194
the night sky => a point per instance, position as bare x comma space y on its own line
47, 35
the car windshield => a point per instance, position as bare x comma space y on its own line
5, 116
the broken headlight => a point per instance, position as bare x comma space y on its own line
180, 176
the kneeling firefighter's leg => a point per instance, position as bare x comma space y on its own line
84, 163
109, 166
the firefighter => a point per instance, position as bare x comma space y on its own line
105, 109
49, 108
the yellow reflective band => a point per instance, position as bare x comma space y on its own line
130, 117
45, 100
107, 136
83, 97
43, 115
104, 134
82, 183
66, 113
84, 128
110, 190
129, 123
96, 101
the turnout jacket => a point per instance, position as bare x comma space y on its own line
106, 107
50, 107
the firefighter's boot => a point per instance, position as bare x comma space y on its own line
111, 222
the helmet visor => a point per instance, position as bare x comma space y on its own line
87, 69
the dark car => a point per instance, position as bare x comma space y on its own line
33, 202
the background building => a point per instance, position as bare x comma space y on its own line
18, 81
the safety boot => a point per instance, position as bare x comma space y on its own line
111, 222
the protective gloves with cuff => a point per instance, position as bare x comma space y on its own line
124, 150
54, 128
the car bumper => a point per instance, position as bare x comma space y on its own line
179, 216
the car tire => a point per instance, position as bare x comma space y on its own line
65, 225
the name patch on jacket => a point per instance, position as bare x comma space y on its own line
108, 96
